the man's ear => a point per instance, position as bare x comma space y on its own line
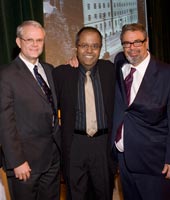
18, 42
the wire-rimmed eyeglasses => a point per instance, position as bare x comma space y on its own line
87, 46
30, 41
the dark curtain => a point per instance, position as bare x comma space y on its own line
158, 13
13, 13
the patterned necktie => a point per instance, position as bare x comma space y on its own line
46, 91
91, 121
128, 85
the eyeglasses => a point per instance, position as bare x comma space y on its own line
136, 43
87, 46
31, 41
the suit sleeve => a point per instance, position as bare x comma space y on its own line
167, 156
9, 138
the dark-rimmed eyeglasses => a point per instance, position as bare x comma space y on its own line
136, 43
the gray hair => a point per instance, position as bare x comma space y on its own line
20, 28
133, 27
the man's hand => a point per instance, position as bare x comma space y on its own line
166, 171
73, 62
23, 171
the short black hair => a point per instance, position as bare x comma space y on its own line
87, 28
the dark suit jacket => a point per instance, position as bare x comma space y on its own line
0, 156
66, 81
26, 118
146, 120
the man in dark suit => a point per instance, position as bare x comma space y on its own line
29, 131
142, 120
86, 158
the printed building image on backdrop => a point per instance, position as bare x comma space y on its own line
64, 18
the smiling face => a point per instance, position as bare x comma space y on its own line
31, 43
135, 55
88, 48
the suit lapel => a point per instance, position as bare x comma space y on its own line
28, 77
103, 83
120, 83
148, 81
106, 86
48, 73
119, 61
74, 87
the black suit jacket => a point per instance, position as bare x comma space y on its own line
66, 81
26, 118
147, 120
0, 156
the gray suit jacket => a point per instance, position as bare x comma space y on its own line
26, 132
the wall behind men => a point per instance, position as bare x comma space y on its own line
13, 13
63, 19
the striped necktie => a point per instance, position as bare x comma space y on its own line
46, 91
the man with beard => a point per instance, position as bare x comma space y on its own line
141, 121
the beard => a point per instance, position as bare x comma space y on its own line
134, 59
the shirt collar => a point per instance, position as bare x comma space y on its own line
27, 63
141, 68
83, 70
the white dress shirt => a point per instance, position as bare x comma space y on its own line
31, 68
137, 79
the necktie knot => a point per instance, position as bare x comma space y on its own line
132, 70
130, 75
88, 75
36, 68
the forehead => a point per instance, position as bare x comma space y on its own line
133, 35
33, 31
89, 36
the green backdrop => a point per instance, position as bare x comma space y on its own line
12, 13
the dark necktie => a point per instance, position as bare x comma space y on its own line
128, 85
46, 91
